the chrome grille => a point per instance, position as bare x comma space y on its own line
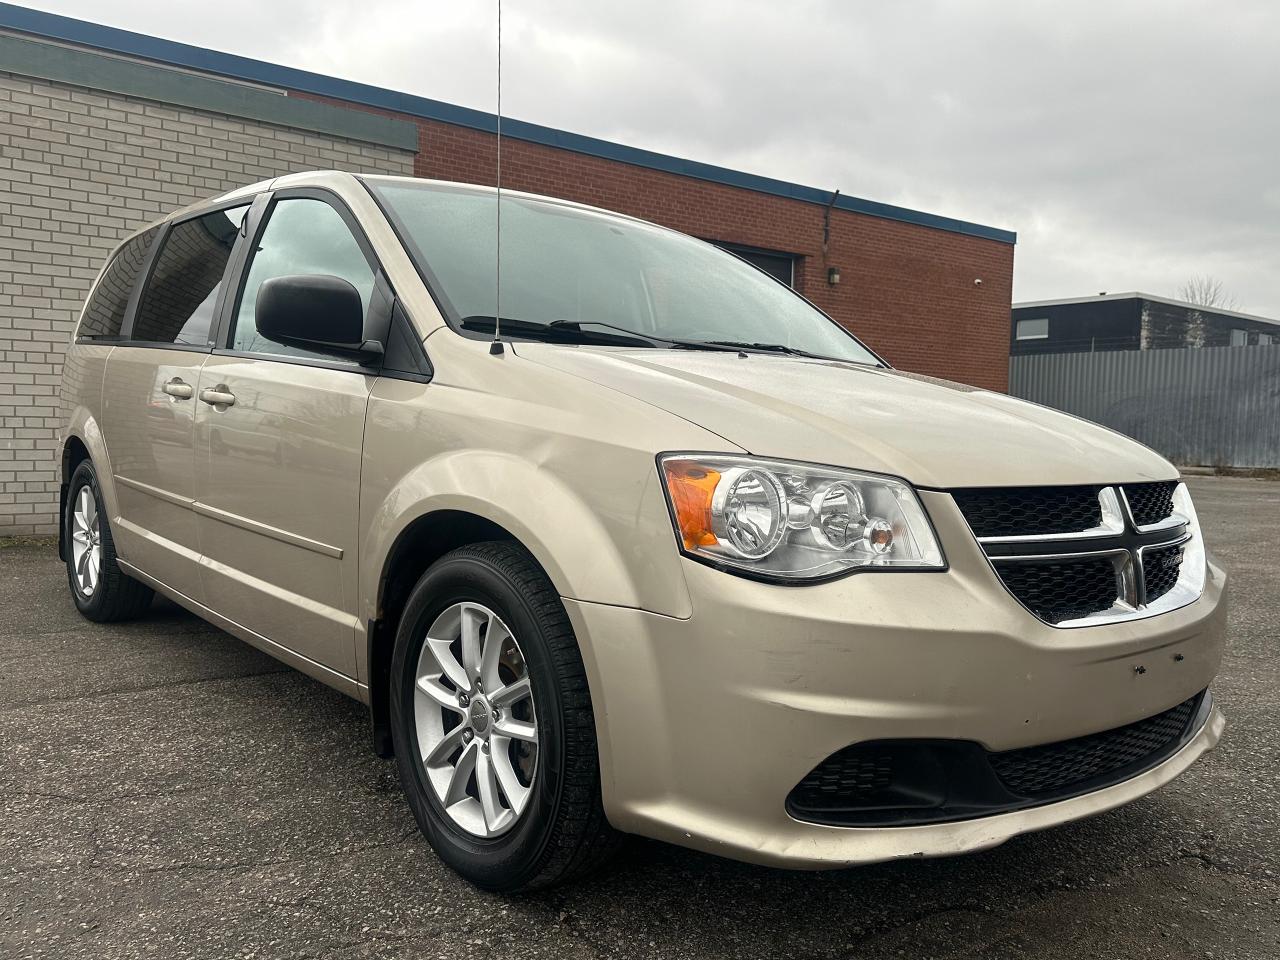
1075, 556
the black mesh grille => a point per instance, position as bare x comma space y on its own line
1021, 511
916, 781
1150, 502
1056, 767
1063, 589
1160, 568
845, 778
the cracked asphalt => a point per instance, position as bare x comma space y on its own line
166, 791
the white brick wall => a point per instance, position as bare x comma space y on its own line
79, 170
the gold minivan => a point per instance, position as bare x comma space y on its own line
635, 540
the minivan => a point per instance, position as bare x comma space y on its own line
615, 534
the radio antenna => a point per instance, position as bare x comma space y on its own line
495, 348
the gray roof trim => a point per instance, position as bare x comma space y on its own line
115, 74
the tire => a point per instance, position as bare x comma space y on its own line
561, 832
113, 595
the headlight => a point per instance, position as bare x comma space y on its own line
793, 521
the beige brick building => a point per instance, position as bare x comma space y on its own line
84, 163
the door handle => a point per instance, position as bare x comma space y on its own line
177, 389
218, 396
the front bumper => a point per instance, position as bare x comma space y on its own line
706, 724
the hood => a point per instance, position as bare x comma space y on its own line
930, 432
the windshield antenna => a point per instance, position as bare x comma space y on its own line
495, 348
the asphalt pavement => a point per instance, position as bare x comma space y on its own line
167, 791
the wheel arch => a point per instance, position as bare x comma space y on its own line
82, 441
74, 453
419, 544
592, 542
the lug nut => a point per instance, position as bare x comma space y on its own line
466, 736
484, 746
463, 699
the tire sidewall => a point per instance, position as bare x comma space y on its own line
511, 858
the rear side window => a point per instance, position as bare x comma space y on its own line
104, 313
181, 293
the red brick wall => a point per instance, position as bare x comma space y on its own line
906, 290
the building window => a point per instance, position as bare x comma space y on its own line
1264, 340
780, 266
1037, 329
1239, 338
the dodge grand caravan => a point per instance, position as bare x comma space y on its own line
639, 541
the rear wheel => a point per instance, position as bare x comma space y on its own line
101, 590
492, 721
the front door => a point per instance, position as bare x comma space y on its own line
279, 434
149, 403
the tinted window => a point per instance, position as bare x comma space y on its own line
177, 305
104, 313
302, 237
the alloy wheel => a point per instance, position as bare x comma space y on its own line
474, 715
86, 542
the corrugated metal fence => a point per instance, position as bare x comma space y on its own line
1217, 406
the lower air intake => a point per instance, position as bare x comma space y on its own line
1048, 769
889, 783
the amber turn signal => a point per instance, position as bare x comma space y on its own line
692, 487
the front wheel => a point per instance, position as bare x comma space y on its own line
101, 590
492, 723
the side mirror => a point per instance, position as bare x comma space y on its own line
318, 313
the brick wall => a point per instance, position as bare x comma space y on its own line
79, 170
906, 290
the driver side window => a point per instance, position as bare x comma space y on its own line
303, 236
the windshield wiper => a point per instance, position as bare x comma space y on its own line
713, 345
562, 331
653, 340
577, 325
767, 348
571, 331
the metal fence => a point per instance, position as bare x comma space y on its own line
1216, 406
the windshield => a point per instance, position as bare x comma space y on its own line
587, 271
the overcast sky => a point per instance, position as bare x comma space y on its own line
1130, 145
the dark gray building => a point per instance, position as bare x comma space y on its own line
1131, 321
